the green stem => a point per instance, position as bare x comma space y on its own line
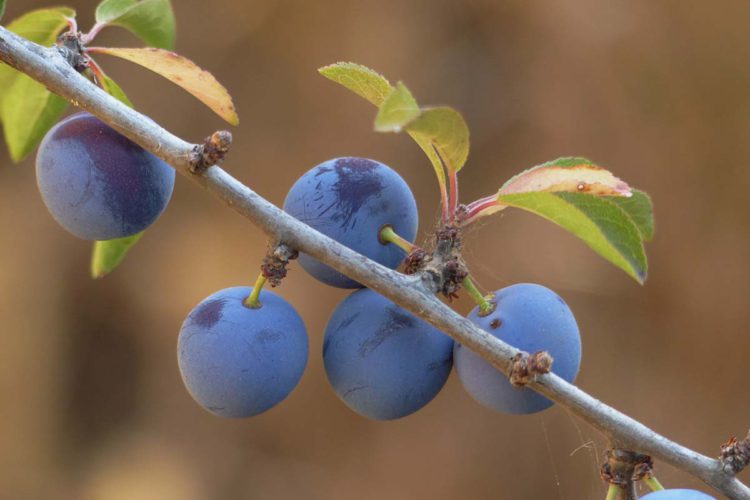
486, 305
388, 235
653, 483
252, 301
612, 492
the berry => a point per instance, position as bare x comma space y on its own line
677, 495
350, 200
381, 360
97, 183
531, 318
236, 361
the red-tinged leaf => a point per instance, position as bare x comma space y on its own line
182, 72
564, 175
572, 175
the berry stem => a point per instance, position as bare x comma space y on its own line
388, 235
612, 492
653, 483
485, 303
72, 24
253, 301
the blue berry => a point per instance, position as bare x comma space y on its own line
680, 494
381, 360
531, 318
236, 361
350, 200
97, 183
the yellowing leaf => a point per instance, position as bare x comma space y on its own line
398, 110
182, 72
359, 79
567, 174
107, 255
444, 129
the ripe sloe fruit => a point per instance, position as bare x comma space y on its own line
97, 183
678, 494
236, 361
381, 360
350, 200
531, 318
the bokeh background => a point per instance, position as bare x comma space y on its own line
91, 401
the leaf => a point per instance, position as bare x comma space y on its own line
641, 211
598, 221
359, 79
152, 21
397, 110
571, 174
30, 110
440, 132
39, 26
445, 129
107, 255
568, 174
183, 72
2, 8
112, 88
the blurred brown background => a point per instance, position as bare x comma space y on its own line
91, 402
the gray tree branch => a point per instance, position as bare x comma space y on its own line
47, 66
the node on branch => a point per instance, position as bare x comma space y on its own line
735, 455
275, 263
525, 367
212, 152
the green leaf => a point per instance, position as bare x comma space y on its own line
598, 221
152, 21
397, 110
2, 8
359, 79
107, 255
444, 129
30, 110
183, 72
111, 87
640, 209
39, 26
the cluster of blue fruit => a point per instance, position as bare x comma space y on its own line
381, 360
239, 358
239, 361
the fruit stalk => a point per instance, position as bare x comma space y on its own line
388, 235
252, 301
485, 306
47, 66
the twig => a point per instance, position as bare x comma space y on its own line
411, 292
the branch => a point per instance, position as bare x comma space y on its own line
414, 294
